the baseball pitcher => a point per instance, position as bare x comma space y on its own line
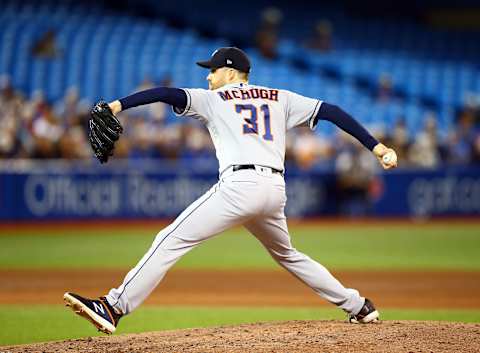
248, 125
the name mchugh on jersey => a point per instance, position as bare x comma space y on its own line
252, 93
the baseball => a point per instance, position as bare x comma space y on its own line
389, 158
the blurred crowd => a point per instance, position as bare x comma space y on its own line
35, 128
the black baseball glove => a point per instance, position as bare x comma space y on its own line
104, 130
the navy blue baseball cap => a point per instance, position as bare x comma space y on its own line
228, 57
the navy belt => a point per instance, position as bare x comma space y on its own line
251, 166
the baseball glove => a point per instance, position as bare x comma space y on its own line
104, 131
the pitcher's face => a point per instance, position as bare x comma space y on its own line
217, 78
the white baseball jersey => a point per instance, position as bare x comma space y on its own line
248, 123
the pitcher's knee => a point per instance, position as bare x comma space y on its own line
287, 256
165, 232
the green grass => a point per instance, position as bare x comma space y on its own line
382, 246
48, 323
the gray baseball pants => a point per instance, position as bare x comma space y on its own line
254, 198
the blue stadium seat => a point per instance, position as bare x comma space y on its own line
124, 50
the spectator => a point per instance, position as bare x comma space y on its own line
46, 46
307, 148
399, 140
10, 111
170, 144
266, 38
9, 142
322, 37
11, 101
195, 141
70, 105
461, 140
355, 169
73, 144
425, 151
141, 139
472, 105
46, 131
385, 88
476, 150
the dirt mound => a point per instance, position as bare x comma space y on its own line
290, 336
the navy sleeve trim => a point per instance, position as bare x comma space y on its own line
312, 121
182, 111
347, 123
176, 97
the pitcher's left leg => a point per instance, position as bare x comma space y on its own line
273, 234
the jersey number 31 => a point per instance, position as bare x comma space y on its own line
251, 125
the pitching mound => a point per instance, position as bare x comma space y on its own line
291, 336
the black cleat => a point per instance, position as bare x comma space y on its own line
97, 311
368, 314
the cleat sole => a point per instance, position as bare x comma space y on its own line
80, 309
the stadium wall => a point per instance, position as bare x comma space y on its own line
129, 193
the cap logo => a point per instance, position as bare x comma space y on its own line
229, 62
